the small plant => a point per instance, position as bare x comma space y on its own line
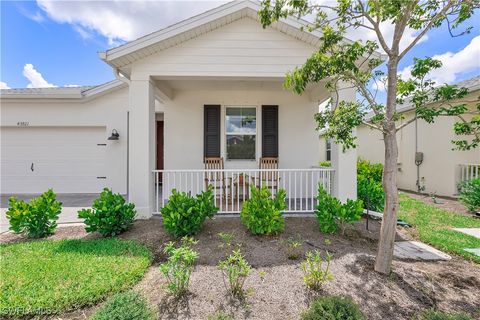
470, 194
127, 305
262, 275
327, 242
332, 214
293, 247
38, 218
227, 239
220, 316
183, 215
325, 164
438, 315
316, 270
179, 265
262, 214
110, 214
236, 269
333, 308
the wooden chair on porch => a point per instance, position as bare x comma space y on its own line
216, 179
270, 179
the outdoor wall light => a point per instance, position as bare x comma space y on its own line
114, 135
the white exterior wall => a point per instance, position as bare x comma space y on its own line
298, 141
108, 112
439, 170
242, 48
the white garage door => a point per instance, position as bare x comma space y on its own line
67, 159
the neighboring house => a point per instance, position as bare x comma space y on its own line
437, 168
209, 86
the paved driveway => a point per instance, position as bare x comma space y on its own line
71, 203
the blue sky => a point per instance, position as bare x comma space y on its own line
47, 42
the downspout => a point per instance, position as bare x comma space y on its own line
125, 79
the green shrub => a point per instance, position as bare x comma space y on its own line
470, 194
38, 218
325, 164
332, 214
371, 193
127, 305
236, 269
110, 214
369, 185
333, 308
438, 315
371, 170
316, 270
179, 265
184, 215
262, 214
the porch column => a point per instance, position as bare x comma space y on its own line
344, 163
141, 147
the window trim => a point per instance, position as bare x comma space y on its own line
225, 133
328, 150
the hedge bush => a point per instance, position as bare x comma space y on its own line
333, 308
183, 215
332, 214
110, 214
127, 305
470, 194
369, 185
262, 214
37, 218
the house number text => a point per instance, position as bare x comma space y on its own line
23, 124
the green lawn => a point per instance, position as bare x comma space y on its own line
433, 226
48, 276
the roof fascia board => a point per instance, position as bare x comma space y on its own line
175, 29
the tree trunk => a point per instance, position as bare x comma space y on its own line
383, 261
384, 257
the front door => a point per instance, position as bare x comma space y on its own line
160, 147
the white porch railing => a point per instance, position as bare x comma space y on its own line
231, 187
469, 171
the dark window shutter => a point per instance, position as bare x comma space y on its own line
270, 131
211, 131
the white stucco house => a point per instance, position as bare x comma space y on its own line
209, 86
437, 168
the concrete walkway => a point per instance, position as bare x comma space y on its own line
414, 250
474, 232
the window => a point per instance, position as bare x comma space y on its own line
328, 149
240, 131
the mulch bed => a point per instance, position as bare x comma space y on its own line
275, 289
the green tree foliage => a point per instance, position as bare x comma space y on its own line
342, 64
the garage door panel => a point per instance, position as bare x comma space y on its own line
67, 159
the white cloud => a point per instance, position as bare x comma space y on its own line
453, 63
4, 85
122, 20
36, 79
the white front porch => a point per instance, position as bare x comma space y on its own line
181, 103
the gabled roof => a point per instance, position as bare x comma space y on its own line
81, 92
195, 26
